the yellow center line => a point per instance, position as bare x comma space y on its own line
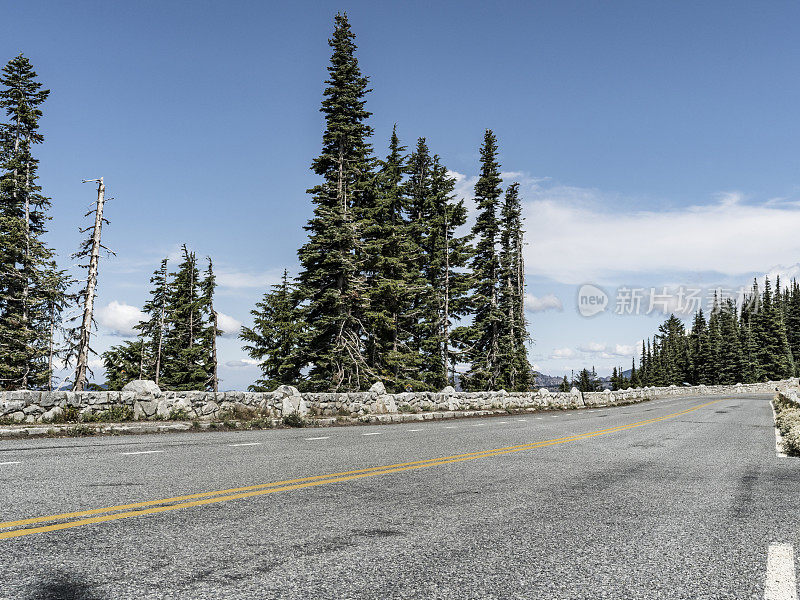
203, 498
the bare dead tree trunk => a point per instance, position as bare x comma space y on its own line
91, 286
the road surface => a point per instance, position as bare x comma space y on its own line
673, 498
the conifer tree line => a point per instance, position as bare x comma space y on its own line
757, 341
390, 287
176, 344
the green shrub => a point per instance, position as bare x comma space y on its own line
294, 419
791, 440
178, 414
786, 418
112, 415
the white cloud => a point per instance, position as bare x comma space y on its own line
578, 235
120, 318
575, 243
242, 279
592, 347
228, 325
548, 302
563, 353
243, 363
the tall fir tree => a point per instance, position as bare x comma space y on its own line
448, 280
392, 276
272, 340
331, 281
153, 329
31, 285
185, 365
484, 353
211, 331
515, 370
774, 356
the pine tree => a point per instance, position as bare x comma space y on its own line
153, 330
185, 365
418, 190
614, 380
484, 353
793, 321
31, 286
516, 369
775, 356
211, 331
392, 275
331, 280
273, 338
444, 258
634, 378
564, 386
730, 358
714, 364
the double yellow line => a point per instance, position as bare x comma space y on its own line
136, 509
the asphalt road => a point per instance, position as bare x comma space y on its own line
617, 503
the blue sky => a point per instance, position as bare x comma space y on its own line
656, 143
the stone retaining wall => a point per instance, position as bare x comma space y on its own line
45, 407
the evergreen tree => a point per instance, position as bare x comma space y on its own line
634, 378
153, 330
273, 338
774, 355
331, 281
792, 321
445, 257
393, 278
515, 374
564, 386
211, 332
185, 364
31, 286
484, 354
730, 358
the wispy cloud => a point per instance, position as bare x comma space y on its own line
246, 279
577, 235
243, 363
543, 303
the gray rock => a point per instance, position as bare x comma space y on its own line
378, 388
448, 390
53, 413
142, 386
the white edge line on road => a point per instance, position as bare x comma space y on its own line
414, 430
780, 581
522, 420
373, 433
324, 437
245, 444
450, 427
477, 424
11, 462
502, 422
142, 452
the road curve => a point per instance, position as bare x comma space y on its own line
673, 498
